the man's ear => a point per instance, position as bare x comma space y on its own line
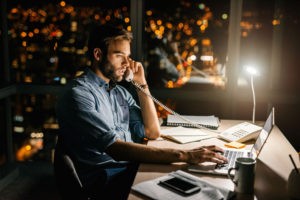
97, 54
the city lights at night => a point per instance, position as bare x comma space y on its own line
233, 59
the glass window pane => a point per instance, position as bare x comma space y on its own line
3, 45
186, 43
287, 76
34, 126
48, 39
289, 19
257, 25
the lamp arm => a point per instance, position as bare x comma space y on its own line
254, 101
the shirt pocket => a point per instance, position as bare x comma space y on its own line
123, 109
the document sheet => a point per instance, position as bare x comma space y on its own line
184, 135
208, 191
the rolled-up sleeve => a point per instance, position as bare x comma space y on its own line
136, 124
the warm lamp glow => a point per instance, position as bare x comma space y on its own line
251, 70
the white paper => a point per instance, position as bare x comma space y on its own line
182, 131
184, 135
152, 190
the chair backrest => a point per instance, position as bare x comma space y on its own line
67, 180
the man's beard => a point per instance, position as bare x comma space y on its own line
108, 70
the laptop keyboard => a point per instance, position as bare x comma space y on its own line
231, 156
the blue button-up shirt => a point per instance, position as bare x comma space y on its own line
91, 118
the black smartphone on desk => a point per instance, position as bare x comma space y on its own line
180, 186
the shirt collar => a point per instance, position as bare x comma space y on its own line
99, 81
112, 85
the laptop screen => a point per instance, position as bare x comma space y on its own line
263, 135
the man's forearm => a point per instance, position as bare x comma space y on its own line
149, 114
120, 150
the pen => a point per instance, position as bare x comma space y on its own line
294, 163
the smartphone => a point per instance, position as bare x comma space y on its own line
180, 186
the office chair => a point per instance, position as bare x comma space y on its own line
67, 180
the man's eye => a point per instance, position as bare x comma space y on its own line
120, 56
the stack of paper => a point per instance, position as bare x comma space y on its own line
184, 135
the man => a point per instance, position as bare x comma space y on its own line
101, 125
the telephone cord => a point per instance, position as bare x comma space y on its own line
170, 110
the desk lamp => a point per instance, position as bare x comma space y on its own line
252, 71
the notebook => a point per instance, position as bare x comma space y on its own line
232, 154
207, 121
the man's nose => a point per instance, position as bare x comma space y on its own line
126, 61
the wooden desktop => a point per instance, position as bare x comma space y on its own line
272, 170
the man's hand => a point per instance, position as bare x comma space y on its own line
138, 71
206, 154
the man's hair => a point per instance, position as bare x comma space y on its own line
101, 35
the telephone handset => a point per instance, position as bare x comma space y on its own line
129, 75
129, 78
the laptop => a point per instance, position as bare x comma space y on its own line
232, 154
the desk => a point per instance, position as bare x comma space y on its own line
272, 170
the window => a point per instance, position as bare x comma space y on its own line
186, 43
287, 14
50, 37
257, 25
34, 126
